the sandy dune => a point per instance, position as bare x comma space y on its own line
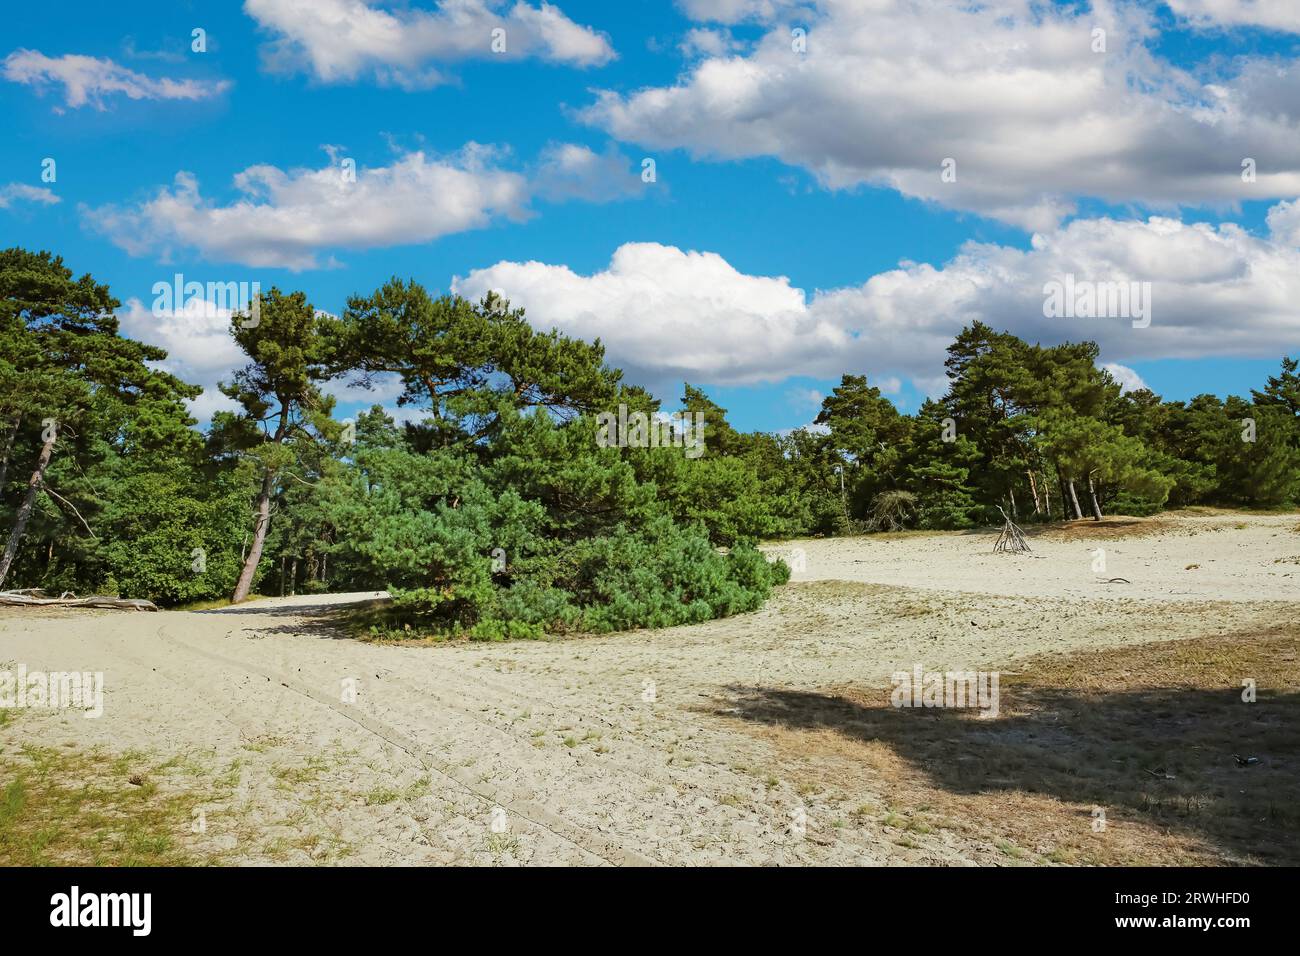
623, 748
1218, 558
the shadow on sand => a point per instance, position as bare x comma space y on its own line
318, 619
1162, 756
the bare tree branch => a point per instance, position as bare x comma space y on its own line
45, 487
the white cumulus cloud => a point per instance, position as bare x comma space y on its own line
1270, 14
21, 192
91, 81
1284, 222
1017, 94
665, 314
283, 219
289, 218
341, 40
1129, 380
200, 349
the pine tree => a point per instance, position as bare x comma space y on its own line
284, 411
69, 384
1282, 389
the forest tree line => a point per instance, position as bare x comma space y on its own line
496, 512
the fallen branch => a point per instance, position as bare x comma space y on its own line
35, 597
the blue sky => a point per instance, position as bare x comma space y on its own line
797, 227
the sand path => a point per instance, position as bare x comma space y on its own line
623, 748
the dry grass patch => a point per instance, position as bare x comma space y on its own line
60, 807
1117, 527
1149, 735
65, 807
1110, 528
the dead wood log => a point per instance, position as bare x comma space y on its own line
35, 597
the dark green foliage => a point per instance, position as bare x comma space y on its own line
1265, 472
1283, 389
496, 512
78, 404
939, 471
284, 424
465, 363
554, 535
171, 538
663, 574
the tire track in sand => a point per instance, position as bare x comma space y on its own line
536, 814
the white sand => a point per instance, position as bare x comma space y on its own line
439, 736
1235, 558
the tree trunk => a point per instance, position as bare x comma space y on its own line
259, 538
1092, 493
8, 450
1033, 490
281, 575
1074, 498
25, 509
293, 577
1065, 500
245, 583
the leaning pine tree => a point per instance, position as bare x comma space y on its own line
284, 412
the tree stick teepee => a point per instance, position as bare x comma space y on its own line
1012, 539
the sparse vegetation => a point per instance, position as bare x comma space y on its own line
1148, 733
63, 808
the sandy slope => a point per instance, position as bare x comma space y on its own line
564, 735
1221, 558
